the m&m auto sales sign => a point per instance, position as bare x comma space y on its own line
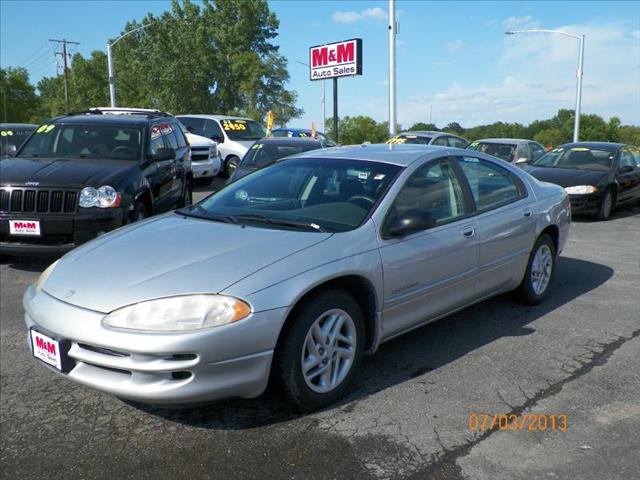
338, 59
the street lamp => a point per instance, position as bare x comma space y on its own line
112, 73
321, 101
580, 38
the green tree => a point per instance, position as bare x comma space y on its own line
629, 134
18, 99
356, 130
423, 126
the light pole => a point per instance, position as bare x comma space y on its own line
321, 100
392, 67
112, 73
580, 38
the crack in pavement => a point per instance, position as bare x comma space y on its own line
446, 467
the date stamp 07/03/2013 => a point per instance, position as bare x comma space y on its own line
533, 422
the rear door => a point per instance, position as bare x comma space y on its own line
161, 174
506, 223
430, 272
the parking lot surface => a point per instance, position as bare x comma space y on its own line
577, 354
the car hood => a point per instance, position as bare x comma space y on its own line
566, 177
168, 255
52, 172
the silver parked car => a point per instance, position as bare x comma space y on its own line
297, 270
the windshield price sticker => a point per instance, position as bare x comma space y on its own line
396, 140
234, 125
45, 128
6, 133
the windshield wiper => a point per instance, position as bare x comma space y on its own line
204, 213
279, 221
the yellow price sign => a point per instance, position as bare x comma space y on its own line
234, 125
45, 128
6, 133
396, 140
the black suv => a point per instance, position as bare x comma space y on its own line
83, 174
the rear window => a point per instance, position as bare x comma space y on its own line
505, 151
263, 154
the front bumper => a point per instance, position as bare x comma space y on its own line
59, 232
180, 368
589, 203
206, 168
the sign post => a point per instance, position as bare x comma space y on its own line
334, 60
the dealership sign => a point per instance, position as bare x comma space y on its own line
338, 59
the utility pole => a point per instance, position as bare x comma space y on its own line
64, 54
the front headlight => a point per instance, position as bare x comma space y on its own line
179, 314
103, 197
581, 190
44, 275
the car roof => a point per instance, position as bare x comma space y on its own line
290, 141
4, 126
105, 119
422, 133
401, 154
606, 146
213, 117
505, 140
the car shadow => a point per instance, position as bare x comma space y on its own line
28, 264
622, 212
427, 348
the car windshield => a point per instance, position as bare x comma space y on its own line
411, 139
84, 141
242, 129
580, 158
13, 136
505, 151
326, 195
265, 153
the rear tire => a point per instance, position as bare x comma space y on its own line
606, 206
321, 350
540, 269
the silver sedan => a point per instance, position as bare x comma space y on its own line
296, 270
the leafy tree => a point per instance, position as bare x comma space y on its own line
423, 126
214, 57
629, 134
455, 128
356, 130
18, 100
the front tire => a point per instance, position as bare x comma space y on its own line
321, 351
542, 262
231, 165
139, 212
187, 195
606, 207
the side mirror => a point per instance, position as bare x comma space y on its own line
411, 221
626, 169
522, 160
163, 154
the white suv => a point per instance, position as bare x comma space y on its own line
205, 158
234, 135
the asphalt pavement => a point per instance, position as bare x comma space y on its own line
577, 354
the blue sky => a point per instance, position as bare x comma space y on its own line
452, 56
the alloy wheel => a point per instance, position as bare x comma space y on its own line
541, 269
328, 351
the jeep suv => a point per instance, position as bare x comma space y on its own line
83, 174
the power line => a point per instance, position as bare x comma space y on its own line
64, 56
33, 54
36, 60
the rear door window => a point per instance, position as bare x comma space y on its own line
193, 124
491, 186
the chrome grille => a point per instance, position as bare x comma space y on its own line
42, 200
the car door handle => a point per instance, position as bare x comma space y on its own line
468, 232
527, 212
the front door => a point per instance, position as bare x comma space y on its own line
430, 272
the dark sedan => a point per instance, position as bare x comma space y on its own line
598, 176
270, 149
